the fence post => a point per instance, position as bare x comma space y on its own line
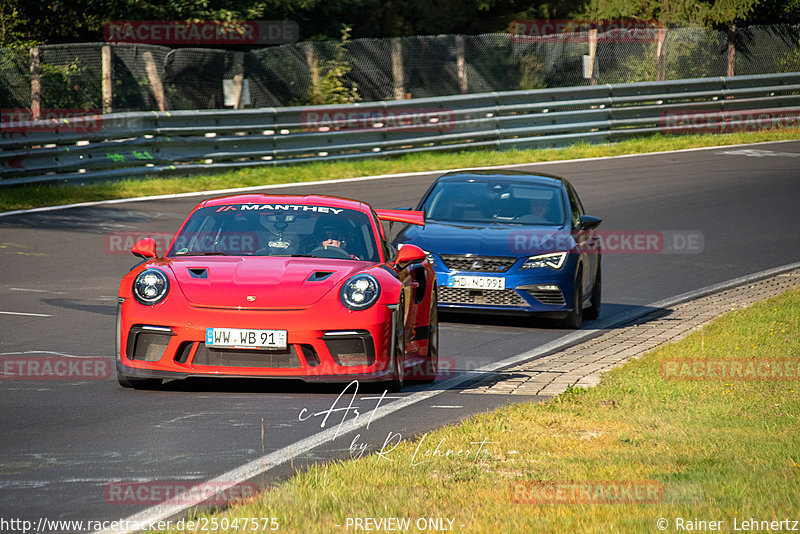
731, 34
238, 79
397, 68
593, 54
106, 78
36, 85
155, 80
313, 68
460, 65
661, 62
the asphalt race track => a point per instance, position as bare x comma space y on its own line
64, 441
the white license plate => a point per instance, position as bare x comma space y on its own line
479, 282
242, 338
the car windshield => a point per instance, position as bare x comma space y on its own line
277, 230
496, 202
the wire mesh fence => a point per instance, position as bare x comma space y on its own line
140, 77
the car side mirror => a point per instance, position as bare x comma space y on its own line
145, 248
587, 222
409, 254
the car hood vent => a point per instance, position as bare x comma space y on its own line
199, 272
318, 276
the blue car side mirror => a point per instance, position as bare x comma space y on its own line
588, 222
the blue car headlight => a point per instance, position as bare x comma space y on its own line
360, 292
554, 260
151, 286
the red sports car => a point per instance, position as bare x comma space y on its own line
280, 286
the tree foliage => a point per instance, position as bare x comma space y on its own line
59, 21
328, 84
56, 21
734, 17
708, 13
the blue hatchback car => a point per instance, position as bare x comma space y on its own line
510, 242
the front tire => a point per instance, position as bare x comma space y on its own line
593, 311
574, 319
399, 353
430, 368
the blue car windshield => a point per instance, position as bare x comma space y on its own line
496, 202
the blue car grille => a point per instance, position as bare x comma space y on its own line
481, 264
505, 297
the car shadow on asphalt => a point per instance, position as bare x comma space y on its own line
608, 312
263, 385
82, 305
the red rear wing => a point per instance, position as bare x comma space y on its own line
403, 216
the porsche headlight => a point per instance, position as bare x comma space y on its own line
360, 292
151, 286
553, 260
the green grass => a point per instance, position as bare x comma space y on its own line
48, 195
722, 450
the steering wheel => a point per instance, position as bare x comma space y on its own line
331, 252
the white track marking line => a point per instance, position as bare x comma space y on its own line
54, 353
25, 314
216, 192
38, 290
261, 465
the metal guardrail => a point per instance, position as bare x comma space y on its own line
123, 145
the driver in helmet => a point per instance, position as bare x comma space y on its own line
332, 237
333, 242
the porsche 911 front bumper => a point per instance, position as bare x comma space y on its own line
338, 345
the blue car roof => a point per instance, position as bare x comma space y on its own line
503, 175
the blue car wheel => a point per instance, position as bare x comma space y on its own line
574, 319
593, 311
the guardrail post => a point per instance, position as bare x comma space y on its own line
106, 78
36, 85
